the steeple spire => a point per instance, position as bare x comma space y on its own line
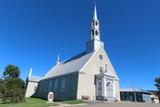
30, 72
95, 13
94, 43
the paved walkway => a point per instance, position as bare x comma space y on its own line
69, 105
105, 104
121, 105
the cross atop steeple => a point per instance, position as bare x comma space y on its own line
58, 60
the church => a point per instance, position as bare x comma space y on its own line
88, 75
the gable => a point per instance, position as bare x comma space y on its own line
95, 62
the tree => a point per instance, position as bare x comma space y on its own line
11, 71
2, 88
12, 87
157, 81
14, 90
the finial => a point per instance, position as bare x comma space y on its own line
30, 72
58, 59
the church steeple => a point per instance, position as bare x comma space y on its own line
95, 33
30, 72
94, 43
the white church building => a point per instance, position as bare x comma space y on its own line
88, 75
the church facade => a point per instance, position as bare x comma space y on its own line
88, 75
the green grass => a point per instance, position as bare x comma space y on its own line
30, 102
73, 102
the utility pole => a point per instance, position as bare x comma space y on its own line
134, 92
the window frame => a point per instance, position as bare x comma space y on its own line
63, 85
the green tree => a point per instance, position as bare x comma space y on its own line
12, 86
157, 81
14, 90
11, 71
2, 88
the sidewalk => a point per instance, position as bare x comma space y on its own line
67, 105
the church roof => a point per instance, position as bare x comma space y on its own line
34, 78
132, 90
74, 64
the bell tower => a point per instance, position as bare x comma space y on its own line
94, 43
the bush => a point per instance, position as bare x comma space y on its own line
14, 91
2, 88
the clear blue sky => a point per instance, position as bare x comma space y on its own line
33, 32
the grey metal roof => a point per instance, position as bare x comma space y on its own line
34, 78
74, 64
132, 90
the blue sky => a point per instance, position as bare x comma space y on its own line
34, 32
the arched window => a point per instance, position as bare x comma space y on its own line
106, 70
50, 85
100, 57
100, 69
55, 84
109, 87
109, 84
96, 23
96, 32
63, 85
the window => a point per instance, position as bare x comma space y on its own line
106, 68
100, 57
96, 23
92, 32
50, 85
96, 32
43, 86
109, 87
109, 84
63, 85
100, 69
56, 84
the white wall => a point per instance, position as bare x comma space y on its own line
86, 78
30, 89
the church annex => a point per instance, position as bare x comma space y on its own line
89, 74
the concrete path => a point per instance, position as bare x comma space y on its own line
121, 105
68, 105
105, 104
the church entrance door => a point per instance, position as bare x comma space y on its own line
109, 90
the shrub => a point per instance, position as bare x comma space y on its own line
14, 92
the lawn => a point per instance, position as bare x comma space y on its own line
30, 102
